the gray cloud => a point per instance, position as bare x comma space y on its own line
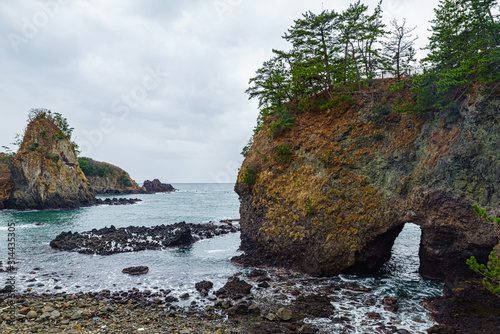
95, 62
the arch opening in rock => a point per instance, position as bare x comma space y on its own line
404, 262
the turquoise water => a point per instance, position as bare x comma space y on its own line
73, 272
45, 270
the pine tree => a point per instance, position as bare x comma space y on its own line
464, 45
399, 51
314, 47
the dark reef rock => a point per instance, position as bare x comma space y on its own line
317, 306
117, 201
234, 289
107, 241
156, 186
203, 287
140, 270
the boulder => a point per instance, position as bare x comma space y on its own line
234, 289
139, 270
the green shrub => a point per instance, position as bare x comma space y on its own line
125, 180
378, 135
490, 271
283, 153
249, 176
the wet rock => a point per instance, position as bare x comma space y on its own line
171, 299
7, 289
234, 289
284, 314
374, 316
116, 201
184, 296
356, 287
390, 304
264, 285
203, 287
308, 329
317, 306
139, 270
107, 241
256, 273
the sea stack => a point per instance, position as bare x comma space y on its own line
44, 174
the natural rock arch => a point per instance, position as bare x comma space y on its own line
339, 201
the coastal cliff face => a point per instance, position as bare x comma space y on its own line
6, 183
44, 174
106, 178
330, 194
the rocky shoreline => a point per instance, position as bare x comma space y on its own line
261, 301
107, 241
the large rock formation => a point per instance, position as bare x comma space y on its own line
106, 178
6, 183
156, 186
44, 174
331, 194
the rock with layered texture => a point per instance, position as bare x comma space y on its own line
45, 172
331, 194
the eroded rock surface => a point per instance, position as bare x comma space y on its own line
44, 174
330, 195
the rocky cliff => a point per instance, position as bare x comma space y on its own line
330, 194
106, 178
44, 174
6, 184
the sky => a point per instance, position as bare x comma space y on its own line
156, 87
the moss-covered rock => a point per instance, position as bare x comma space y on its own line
44, 173
353, 177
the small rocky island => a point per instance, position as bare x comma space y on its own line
44, 173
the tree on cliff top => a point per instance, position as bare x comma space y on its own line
57, 119
329, 52
464, 47
399, 51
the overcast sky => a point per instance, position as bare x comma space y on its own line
156, 87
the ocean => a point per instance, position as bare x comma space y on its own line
45, 270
